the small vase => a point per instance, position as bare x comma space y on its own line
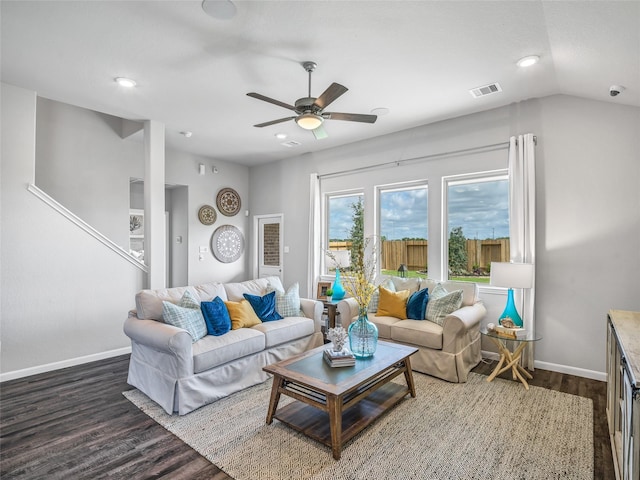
338, 290
363, 336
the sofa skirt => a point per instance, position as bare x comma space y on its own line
183, 395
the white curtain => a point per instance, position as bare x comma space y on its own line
522, 205
315, 235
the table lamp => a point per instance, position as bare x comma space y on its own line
511, 275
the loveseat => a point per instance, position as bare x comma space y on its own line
181, 373
447, 351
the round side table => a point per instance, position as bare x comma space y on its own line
510, 359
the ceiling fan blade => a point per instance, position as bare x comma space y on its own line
329, 95
273, 122
271, 100
320, 133
350, 117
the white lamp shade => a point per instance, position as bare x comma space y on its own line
512, 275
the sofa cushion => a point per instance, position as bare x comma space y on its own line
384, 324
186, 315
285, 330
417, 304
208, 291
288, 303
216, 316
242, 314
393, 304
149, 302
235, 291
418, 332
411, 284
442, 303
212, 351
265, 306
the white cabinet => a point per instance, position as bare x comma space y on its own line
623, 394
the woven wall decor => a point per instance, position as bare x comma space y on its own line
207, 215
228, 202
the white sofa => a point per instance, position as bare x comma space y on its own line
181, 375
449, 351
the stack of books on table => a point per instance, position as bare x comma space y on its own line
339, 359
513, 333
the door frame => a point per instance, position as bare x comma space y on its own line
256, 242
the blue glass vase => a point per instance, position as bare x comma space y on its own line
338, 289
510, 311
363, 336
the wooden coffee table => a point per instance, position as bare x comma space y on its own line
335, 404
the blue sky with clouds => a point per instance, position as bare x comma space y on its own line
480, 208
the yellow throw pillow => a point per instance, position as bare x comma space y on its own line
242, 314
393, 304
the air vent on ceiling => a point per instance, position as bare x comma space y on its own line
485, 90
291, 143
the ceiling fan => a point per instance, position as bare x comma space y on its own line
310, 113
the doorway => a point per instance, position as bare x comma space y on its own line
269, 229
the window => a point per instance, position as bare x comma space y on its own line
477, 209
403, 230
345, 219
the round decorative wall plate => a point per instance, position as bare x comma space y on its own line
227, 243
228, 202
207, 215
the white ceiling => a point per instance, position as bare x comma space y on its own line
418, 59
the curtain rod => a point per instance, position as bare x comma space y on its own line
483, 148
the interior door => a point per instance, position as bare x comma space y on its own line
270, 249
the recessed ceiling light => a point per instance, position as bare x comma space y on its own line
528, 61
281, 136
380, 111
125, 82
220, 9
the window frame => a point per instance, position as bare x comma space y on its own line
394, 187
327, 196
461, 179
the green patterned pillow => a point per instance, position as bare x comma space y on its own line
288, 303
442, 303
186, 315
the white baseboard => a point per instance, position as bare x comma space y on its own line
554, 367
26, 372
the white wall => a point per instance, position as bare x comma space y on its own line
64, 295
588, 210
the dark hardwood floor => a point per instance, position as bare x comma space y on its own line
76, 424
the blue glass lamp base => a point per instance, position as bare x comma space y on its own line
510, 311
338, 289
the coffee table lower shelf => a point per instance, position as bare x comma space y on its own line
315, 423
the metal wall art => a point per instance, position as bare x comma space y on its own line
227, 243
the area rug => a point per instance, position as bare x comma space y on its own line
475, 430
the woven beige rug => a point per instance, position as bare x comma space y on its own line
475, 430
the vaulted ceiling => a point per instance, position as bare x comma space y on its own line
418, 59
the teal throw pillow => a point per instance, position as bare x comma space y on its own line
441, 303
417, 304
186, 315
216, 317
265, 307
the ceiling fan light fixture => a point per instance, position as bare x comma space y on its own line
309, 121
